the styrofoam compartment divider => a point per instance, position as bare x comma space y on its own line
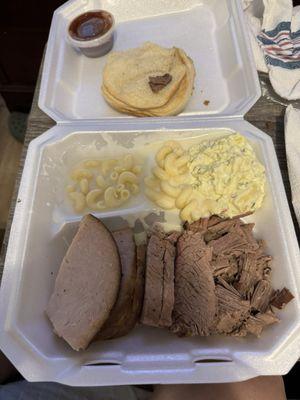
213, 33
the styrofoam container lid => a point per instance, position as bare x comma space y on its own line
43, 227
212, 32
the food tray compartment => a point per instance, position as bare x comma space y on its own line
43, 227
212, 33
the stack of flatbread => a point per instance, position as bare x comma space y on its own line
149, 80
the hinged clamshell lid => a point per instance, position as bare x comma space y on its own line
212, 32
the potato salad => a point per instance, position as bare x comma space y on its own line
228, 179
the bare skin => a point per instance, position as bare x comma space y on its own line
261, 388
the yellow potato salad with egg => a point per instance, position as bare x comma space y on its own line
227, 176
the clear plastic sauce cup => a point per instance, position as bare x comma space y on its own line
92, 32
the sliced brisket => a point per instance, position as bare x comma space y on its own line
247, 230
281, 298
248, 274
159, 281
232, 309
195, 298
232, 243
224, 250
133, 314
261, 296
140, 280
225, 267
117, 324
256, 324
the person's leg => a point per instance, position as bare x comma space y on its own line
262, 388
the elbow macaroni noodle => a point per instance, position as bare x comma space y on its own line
152, 194
92, 163
184, 197
160, 173
81, 173
170, 190
93, 199
125, 194
128, 163
127, 177
134, 188
103, 184
71, 188
137, 169
112, 198
170, 164
161, 155
151, 182
114, 176
167, 186
78, 201
186, 213
165, 202
84, 186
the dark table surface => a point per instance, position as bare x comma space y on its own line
267, 114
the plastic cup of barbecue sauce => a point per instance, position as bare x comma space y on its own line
92, 33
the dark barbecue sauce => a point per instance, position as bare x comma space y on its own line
90, 25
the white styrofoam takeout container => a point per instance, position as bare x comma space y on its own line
210, 31
44, 225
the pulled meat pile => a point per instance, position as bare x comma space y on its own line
221, 280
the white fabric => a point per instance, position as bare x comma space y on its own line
275, 12
287, 83
292, 143
284, 81
267, 14
264, 16
254, 13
